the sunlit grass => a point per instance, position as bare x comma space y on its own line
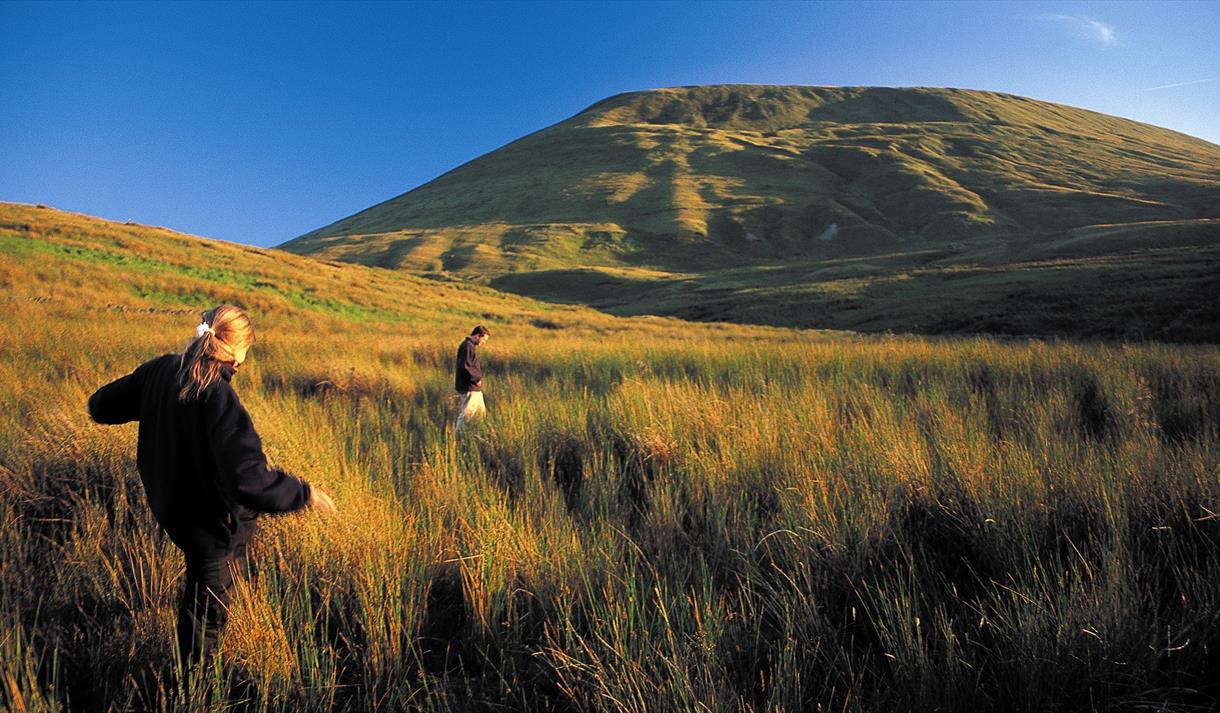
654, 516
926, 210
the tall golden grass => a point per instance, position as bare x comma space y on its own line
654, 516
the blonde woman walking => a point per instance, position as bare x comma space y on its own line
202, 465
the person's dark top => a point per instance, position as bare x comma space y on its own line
201, 462
468, 374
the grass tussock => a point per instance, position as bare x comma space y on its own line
653, 516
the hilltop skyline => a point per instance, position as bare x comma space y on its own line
256, 123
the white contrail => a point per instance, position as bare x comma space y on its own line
1183, 84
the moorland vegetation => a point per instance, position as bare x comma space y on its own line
656, 515
867, 208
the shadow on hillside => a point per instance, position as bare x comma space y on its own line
73, 513
470, 654
1162, 295
442, 628
53, 492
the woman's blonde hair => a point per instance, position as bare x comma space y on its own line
225, 330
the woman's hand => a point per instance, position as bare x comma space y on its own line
320, 501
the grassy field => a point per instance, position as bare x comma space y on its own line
1165, 292
655, 516
748, 203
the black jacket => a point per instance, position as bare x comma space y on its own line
202, 463
468, 374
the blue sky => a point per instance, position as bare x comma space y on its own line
258, 122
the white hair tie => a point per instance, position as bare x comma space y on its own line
202, 329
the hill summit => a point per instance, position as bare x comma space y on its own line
689, 181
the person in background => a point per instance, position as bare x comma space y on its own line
468, 378
203, 467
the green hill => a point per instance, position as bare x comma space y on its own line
77, 266
764, 198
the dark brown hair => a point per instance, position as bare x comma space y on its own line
480, 330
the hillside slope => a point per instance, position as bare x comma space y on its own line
758, 195
653, 512
72, 264
714, 176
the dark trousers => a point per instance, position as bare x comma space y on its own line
203, 610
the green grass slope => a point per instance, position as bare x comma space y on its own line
53, 257
707, 179
655, 516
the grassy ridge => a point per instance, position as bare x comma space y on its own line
750, 180
1163, 293
104, 265
656, 516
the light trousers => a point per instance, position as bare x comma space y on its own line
470, 408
